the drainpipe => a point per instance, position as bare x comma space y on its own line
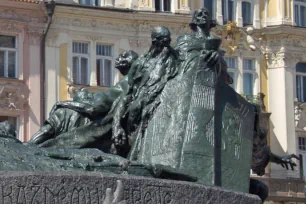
50, 6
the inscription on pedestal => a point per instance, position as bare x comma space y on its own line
35, 188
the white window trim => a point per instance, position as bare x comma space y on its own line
79, 75
6, 58
293, 13
234, 70
298, 145
253, 72
79, 55
102, 58
252, 10
234, 11
303, 75
213, 14
161, 2
111, 58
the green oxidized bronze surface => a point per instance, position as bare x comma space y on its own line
172, 116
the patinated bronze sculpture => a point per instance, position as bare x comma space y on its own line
172, 116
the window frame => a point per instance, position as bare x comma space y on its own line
253, 72
233, 70
162, 10
300, 74
225, 14
6, 50
111, 58
214, 7
302, 147
80, 56
299, 4
252, 13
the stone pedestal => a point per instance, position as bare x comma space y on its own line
90, 188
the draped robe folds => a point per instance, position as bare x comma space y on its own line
147, 79
181, 132
77, 123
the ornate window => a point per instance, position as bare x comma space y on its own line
302, 143
232, 69
247, 13
80, 63
104, 64
211, 6
249, 72
300, 12
8, 56
163, 5
301, 82
228, 10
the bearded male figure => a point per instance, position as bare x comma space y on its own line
147, 78
86, 110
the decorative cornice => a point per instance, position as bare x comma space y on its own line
10, 26
19, 15
283, 58
35, 36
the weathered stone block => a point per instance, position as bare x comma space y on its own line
90, 188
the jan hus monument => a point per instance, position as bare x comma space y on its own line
171, 130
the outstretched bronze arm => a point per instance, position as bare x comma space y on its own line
285, 161
262, 154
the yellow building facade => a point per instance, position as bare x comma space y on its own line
265, 54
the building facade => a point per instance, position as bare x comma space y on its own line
21, 28
85, 36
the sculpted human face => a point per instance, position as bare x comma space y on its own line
202, 17
123, 63
161, 38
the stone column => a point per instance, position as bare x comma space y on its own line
281, 104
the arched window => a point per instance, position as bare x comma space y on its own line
228, 10
301, 81
247, 13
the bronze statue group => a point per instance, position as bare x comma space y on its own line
127, 119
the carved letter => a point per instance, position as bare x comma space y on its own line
78, 196
21, 198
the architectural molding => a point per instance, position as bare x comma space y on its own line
35, 36
15, 14
11, 26
13, 95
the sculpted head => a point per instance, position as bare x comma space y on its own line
161, 38
125, 60
201, 18
6, 128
